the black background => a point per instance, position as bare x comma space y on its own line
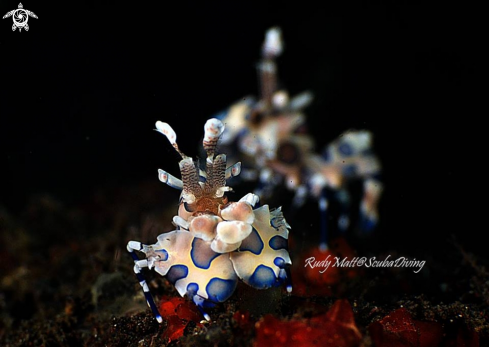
81, 90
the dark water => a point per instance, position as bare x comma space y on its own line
81, 91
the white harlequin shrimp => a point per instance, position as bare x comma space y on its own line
269, 135
216, 241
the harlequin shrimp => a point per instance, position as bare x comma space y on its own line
216, 242
269, 136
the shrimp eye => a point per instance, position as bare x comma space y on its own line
187, 207
288, 153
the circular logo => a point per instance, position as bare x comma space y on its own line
20, 17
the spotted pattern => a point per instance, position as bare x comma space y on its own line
253, 243
259, 269
191, 265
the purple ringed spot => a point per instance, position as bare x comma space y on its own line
278, 242
220, 290
177, 272
163, 254
263, 277
202, 256
253, 243
192, 289
280, 262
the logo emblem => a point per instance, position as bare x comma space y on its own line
20, 17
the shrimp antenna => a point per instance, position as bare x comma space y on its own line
170, 134
213, 130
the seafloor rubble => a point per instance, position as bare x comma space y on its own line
66, 280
